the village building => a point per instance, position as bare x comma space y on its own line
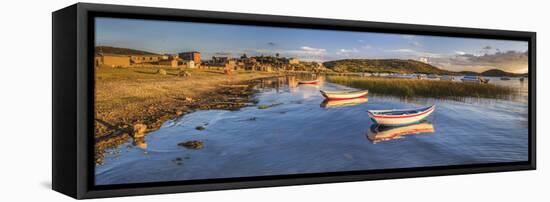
231, 64
145, 59
293, 61
195, 56
188, 64
219, 61
112, 60
169, 62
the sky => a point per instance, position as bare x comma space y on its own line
450, 53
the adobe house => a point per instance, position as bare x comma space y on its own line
188, 64
112, 60
219, 61
169, 62
145, 59
194, 56
231, 64
293, 61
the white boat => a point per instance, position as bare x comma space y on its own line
446, 78
397, 117
343, 95
378, 133
309, 82
433, 76
343, 103
403, 76
474, 79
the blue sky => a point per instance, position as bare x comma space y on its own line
309, 44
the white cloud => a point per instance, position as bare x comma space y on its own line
415, 53
510, 61
460, 52
311, 50
346, 52
402, 50
353, 50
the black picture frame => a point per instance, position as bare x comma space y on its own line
73, 98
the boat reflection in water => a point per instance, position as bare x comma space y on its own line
316, 81
378, 133
343, 103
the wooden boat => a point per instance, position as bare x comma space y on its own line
343, 103
309, 82
446, 78
403, 76
343, 95
474, 79
396, 117
378, 133
433, 76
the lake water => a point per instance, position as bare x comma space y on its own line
300, 133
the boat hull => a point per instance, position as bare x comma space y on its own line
309, 82
344, 96
399, 120
471, 80
477, 80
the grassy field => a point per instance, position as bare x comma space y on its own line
422, 88
118, 89
125, 97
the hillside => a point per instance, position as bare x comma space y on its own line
384, 65
498, 72
121, 51
468, 73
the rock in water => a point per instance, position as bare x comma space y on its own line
161, 72
140, 143
139, 130
200, 128
194, 144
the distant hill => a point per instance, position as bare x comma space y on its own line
121, 51
384, 65
469, 73
498, 72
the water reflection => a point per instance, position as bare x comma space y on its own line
288, 133
289, 82
140, 143
343, 103
378, 133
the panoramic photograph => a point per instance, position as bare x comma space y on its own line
180, 101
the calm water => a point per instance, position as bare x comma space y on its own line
301, 134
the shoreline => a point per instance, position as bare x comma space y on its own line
123, 115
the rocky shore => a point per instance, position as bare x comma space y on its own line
127, 108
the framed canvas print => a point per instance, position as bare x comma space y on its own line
154, 100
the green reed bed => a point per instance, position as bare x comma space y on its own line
422, 88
